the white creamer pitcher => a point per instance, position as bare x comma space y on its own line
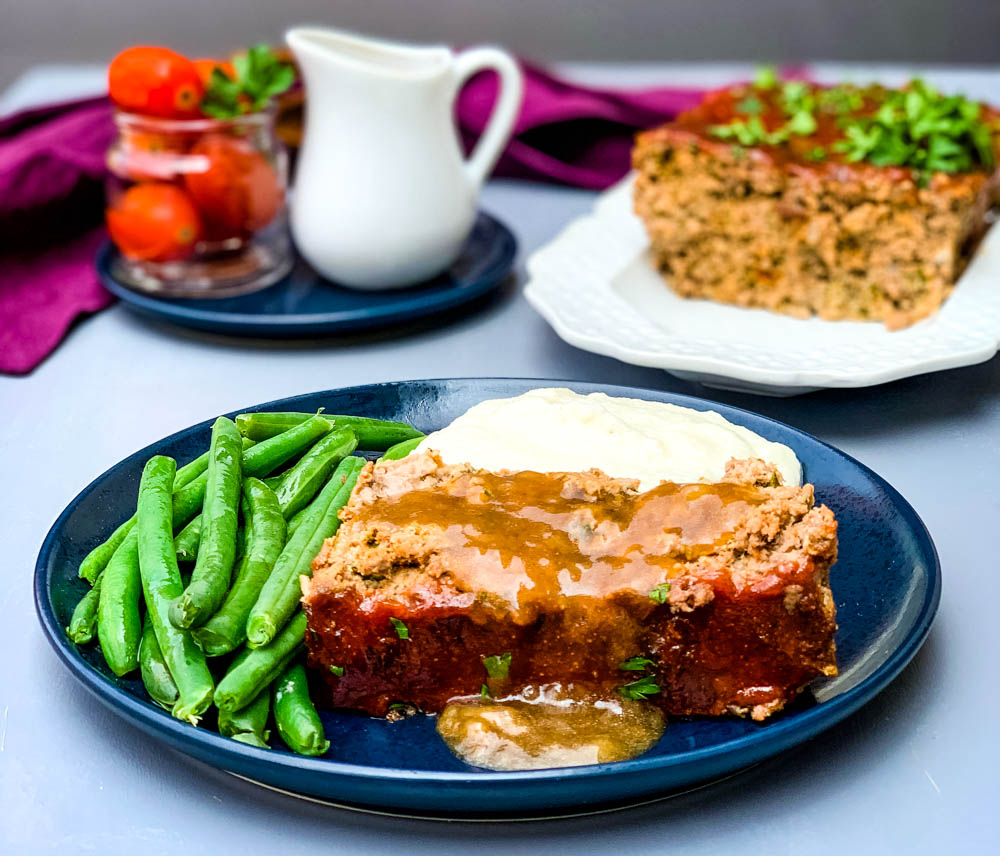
383, 195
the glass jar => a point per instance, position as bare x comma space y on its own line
196, 207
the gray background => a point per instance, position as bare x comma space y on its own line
912, 31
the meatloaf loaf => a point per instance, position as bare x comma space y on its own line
436, 568
808, 200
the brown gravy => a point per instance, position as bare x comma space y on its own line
549, 726
533, 537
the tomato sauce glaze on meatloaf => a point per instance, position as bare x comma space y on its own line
725, 587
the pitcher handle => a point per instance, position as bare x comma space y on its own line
505, 111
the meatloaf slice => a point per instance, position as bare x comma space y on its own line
795, 225
437, 567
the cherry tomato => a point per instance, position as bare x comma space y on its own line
154, 222
205, 67
155, 82
239, 191
153, 142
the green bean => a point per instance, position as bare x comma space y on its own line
245, 725
153, 669
401, 450
226, 630
264, 458
295, 715
119, 626
262, 665
83, 623
248, 724
189, 472
187, 502
273, 453
241, 546
161, 585
282, 591
373, 434
98, 558
187, 540
302, 482
294, 521
217, 550
188, 499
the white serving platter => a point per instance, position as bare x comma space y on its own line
595, 284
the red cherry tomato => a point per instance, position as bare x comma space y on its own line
152, 141
141, 155
239, 191
205, 67
155, 82
154, 222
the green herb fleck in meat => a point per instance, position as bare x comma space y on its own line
498, 665
641, 689
637, 664
659, 594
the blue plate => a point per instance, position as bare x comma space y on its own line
305, 304
886, 584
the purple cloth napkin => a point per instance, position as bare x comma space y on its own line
51, 206
52, 169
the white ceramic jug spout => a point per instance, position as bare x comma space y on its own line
383, 196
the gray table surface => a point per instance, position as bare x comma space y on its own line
915, 771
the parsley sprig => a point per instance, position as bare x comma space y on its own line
260, 76
641, 689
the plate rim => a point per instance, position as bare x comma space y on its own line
304, 322
606, 211
776, 737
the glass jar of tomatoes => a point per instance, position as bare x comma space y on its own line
196, 207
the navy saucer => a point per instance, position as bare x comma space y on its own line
305, 304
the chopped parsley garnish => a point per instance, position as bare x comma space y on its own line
401, 630
797, 97
921, 129
802, 123
841, 99
915, 127
497, 665
484, 692
641, 689
637, 664
765, 77
659, 594
337, 670
749, 132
